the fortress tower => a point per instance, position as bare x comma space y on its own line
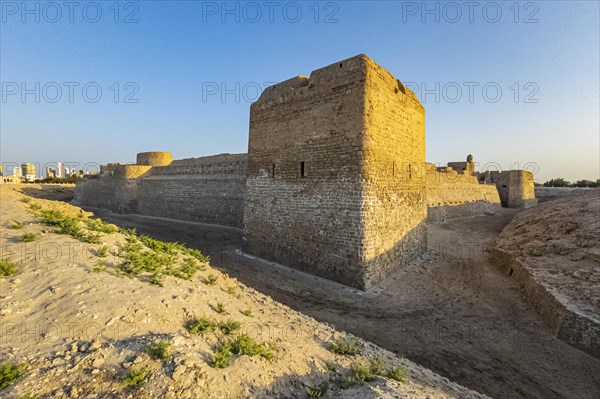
334, 181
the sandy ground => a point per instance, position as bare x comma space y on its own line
451, 311
79, 331
559, 242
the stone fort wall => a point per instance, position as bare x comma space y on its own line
515, 187
334, 182
207, 189
321, 192
394, 193
451, 194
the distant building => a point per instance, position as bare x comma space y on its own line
60, 169
29, 172
51, 172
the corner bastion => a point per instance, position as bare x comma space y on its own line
334, 182
154, 158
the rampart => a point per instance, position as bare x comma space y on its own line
323, 194
451, 194
334, 183
207, 189
515, 187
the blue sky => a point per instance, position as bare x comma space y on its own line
533, 68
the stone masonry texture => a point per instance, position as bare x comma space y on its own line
334, 183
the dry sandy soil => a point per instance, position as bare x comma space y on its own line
452, 311
559, 241
553, 251
79, 327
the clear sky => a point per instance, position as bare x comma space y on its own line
514, 83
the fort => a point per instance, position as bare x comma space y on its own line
334, 183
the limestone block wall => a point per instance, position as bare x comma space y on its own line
467, 167
304, 196
108, 192
451, 195
521, 192
334, 182
394, 204
154, 158
321, 192
215, 201
516, 187
207, 189
213, 166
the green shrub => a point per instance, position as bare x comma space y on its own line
51, 217
241, 345
361, 373
158, 350
102, 251
189, 269
99, 266
397, 373
222, 356
230, 326
7, 268
15, 225
10, 373
70, 226
377, 366
92, 238
345, 346
135, 377
219, 307
247, 312
200, 326
245, 345
157, 279
137, 261
318, 392
25, 200
211, 279
143, 255
35, 207
101, 226
28, 237
331, 366
160, 246
195, 254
